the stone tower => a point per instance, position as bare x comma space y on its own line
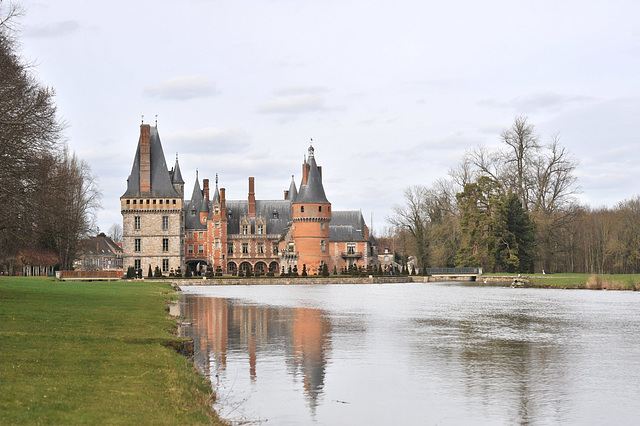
151, 207
311, 214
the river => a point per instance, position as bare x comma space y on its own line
417, 354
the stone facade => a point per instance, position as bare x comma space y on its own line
251, 236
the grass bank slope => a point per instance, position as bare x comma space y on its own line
79, 352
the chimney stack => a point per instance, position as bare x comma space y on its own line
145, 158
286, 194
205, 185
223, 201
305, 173
252, 198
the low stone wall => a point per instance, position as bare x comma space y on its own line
299, 280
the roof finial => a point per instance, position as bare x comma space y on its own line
176, 157
216, 179
142, 118
156, 120
196, 174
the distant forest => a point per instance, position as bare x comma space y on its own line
514, 210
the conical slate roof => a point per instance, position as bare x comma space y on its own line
176, 176
293, 191
313, 191
194, 207
161, 185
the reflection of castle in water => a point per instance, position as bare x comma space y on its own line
221, 327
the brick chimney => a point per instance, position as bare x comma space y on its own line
252, 198
223, 201
305, 173
205, 185
286, 193
145, 158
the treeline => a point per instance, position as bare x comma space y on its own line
514, 210
48, 196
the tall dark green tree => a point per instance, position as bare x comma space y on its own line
515, 237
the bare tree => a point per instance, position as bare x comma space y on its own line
115, 232
413, 216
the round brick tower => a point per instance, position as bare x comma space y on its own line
311, 214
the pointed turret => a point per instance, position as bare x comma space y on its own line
176, 178
311, 189
216, 194
195, 207
292, 193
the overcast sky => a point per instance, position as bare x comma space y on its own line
392, 93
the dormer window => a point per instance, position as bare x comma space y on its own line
260, 229
193, 212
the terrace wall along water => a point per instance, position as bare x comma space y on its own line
416, 353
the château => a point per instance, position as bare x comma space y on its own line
299, 232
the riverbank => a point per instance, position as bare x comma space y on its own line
79, 352
560, 281
572, 281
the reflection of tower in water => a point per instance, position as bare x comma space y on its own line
310, 341
221, 327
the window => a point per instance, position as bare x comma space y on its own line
193, 212
244, 229
165, 264
217, 243
154, 201
275, 248
386, 250
323, 246
229, 248
161, 201
216, 210
320, 208
260, 229
260, 248
147, 202
128, 201
136, 263
245, 248
301, 209
165, 244
292, 247
136, 222
386, 258
137, 244
165, 222
217, 224
200, 249
351, 248
322, 225
200, 234
190, 249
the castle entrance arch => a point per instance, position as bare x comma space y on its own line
232, 268
245, 267
274, 267
261, 268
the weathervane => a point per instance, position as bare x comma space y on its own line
142, 118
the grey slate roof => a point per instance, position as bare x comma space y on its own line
197, 205
161, 185
293, 191
346, 226
313, 191
277, 215
176, 175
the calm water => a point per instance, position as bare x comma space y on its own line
418, 354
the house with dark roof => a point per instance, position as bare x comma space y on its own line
99, 253
248, 235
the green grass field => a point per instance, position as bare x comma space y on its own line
584, 281
81, 352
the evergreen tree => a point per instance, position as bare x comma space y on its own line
157, 272
325, 270
150, 273
304, 270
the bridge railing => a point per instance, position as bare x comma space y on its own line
454, 271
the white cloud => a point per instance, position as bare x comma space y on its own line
535, 102
210, 140
53, 29
182, 88
294, 104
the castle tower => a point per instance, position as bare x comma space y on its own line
311, 214
151, 207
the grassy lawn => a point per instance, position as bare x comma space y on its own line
80, 352
586, 281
